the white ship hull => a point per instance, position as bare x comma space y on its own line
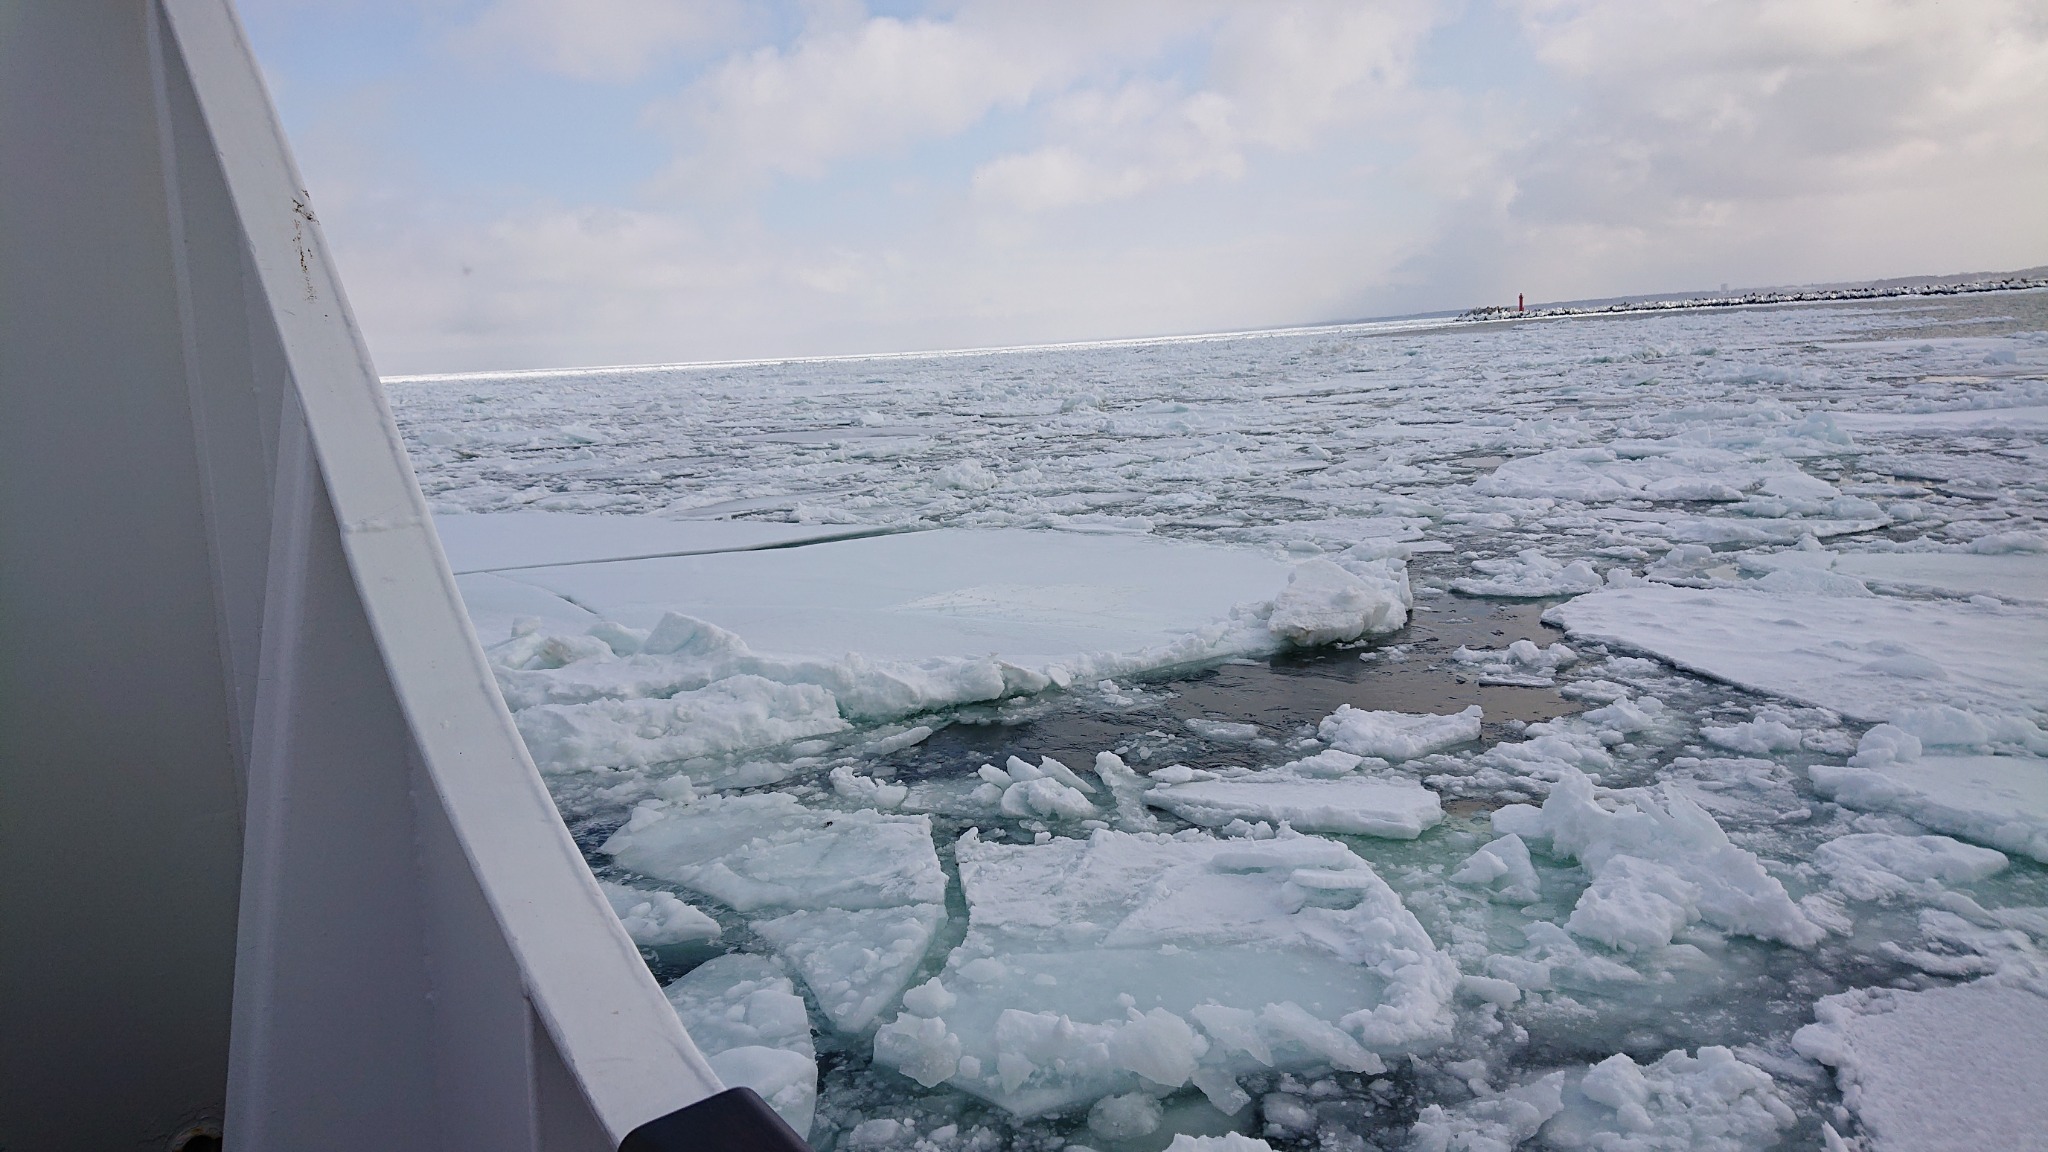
275, 860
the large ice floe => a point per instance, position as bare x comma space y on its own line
2001, 801
1862, 656
1160, 746
626, 663
1095, 967
1959, 1068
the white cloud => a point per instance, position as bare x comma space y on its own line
1000, 173
598, 39
1754, 142
845, 92
1295, 70
1748, 99
1282, 77
1116, 145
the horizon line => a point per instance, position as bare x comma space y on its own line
1410, 321
1418, 320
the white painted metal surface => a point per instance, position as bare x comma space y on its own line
272, 851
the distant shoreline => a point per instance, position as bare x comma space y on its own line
1496, 313
1391, 325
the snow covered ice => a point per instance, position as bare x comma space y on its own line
1658, 863
1362, 806
1397, 735
747, 1019
1094, 966
850, 899
1863, 656
2001, 801
1618, 734
1946, 1068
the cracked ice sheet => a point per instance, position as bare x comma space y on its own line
2012, 576
2001, 801
1090, 963
1963, 421
882, 628
1864, 657
485, 541
1393, 807
850, 899
1031, 597
745, 1016
1653, 471
1957, 1069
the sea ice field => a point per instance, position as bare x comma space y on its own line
1620, 733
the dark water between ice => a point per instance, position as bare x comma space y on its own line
1288, 694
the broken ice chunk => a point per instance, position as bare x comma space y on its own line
1048, 766
1325, 603
1397, 735
1125, 1117
1600, 474
1712, 1102
734, 713
1328, 762
655, 918
1228, 1142
747, 1019
852, 899
1876, 865
767, 851
850, 785
920, 1047
1521, 663
1529, 574
855, 960
929, 998
1045, 797
1396, 808
1759, 737
1128, 789
1554, 960
1222, 730
1046, 789
1635, 905
1495, 1123
1796, 581
1092, 966
532, 649
1222, 1089
1504, 866
1658, 862
2001, 801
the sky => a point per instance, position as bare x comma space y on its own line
557, 183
